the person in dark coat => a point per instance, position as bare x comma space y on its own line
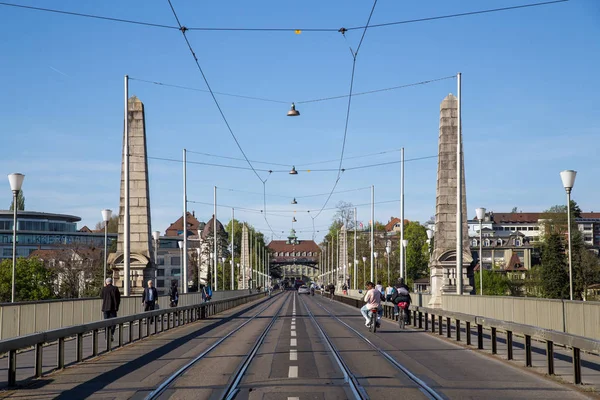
150, 298
174, 294
111, 299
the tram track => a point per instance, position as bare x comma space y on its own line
231, 388
429, 392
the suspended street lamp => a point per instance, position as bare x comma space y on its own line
293, 171
294, 201
293, 112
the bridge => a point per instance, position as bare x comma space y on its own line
293, 346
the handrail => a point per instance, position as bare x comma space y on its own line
183, 314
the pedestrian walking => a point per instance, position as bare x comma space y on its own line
111, 299
331, 291
174, 294
150, 298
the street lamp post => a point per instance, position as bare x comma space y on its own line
223, 269
429, 237
568, 180
375, 254
156, 237
106, 214
180, 244
355, 274
480, 215
16, 181
387, 252
364, 271
405, 245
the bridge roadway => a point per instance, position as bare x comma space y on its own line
294, 361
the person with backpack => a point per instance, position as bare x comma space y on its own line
174, 294
401, 298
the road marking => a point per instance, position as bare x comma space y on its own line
293, 398
293, 333
293, 342
293, 319
293, 372
293, 355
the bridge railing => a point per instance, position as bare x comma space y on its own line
24, 318
163, 320
422, 317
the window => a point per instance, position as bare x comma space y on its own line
487, 241
175, 271
287, 253
161, 261
160, 282
175, 260
160, 272
303, 254
517, 242
474, 244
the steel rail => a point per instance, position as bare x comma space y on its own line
427, 391
167, 382
357, 389
232, 388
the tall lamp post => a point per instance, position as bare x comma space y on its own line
429, 237
16, 181
387, 252
180, 244
364, 271
106, 214
355, 274
223, 268
405, 245
480, 215
155, 237
568, 180
375, 254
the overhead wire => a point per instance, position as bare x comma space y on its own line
295, 30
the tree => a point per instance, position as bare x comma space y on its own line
494, 283
514, 210
345, 214
113, 225
20, 202
417, 252
554, 280
32, 280
555, 218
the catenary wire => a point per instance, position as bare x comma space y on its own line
163, 26
183, 30
236, 158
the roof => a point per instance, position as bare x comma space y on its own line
516, 217
393, 221
61, 252
515, 263
177, 226
86, 230
40, 215
302, 245
208, 228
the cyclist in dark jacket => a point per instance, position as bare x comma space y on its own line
401, 294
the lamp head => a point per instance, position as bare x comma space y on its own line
388, 249
294, 201
364, 259
429, 234
156, 235
106, 214
16, 181
293, 112
405, 243
568, 179
180, 244
375, 254
480, 213
293, 171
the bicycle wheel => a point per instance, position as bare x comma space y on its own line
374, 321
401, 318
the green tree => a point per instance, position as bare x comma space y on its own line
554, 280
113, 225
417, 252
20, 202
495, 283
32, 280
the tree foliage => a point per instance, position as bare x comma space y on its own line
495, 283
32, 280
554, 280
20, 202
113, 225
417, 252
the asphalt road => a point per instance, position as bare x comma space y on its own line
295, 362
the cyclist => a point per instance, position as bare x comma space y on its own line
401, 294
312, 288
373, 300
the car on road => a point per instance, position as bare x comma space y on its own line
303, 289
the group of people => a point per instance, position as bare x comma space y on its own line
111, 299
398, 295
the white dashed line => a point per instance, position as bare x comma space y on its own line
293, 333
293, 355
293, 343
293, 372
293, 398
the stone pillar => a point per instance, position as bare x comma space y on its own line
245, 260
141, 249
442, 263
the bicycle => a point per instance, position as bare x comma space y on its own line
401, 317
373, 323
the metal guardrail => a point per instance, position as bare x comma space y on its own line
549, 337
168, 318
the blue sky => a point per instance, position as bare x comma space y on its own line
530, 108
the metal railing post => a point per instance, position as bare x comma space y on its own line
509, 344
550, 356
61, 353
38, 359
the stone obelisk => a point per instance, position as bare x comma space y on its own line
246, 271
141, 251
442, 263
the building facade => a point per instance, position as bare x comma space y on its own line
39, 230
298, 259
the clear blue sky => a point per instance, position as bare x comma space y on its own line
530, 104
